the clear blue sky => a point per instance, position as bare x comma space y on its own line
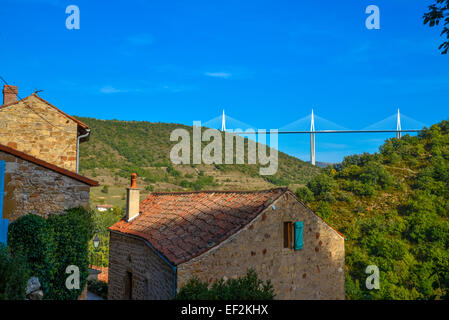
267, 63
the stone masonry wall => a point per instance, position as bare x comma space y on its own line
315, 272
153, 278
30, 188
26, 131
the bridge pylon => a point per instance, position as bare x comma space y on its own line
312, 140
398, 126
223, 122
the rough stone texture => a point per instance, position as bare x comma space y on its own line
30, 188
153, 278
315, 272
25, 130
33, 284
36, 295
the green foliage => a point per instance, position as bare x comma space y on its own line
50, 245
324, 210
359, 188
393, 207
105, 189
305, 194
201, 182
374, 174
321, 184
13, 276
144, 148
248, 287
102, 220
30, 237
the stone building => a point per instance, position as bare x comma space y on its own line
31, 185
38, 158
37, 128
174, 236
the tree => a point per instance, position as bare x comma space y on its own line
439, 11
13, 276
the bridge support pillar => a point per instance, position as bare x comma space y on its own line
312, 140
312, 148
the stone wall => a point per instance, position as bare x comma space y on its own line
26, 131
153, 278
30, 188
315, 272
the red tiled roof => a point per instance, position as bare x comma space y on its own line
49, 166
81, 124
183, 225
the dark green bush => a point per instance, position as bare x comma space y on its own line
324, 210
321, 184
50, 245
248, 287
13, 276
359, 188
305, 194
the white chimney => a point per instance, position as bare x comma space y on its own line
132, 199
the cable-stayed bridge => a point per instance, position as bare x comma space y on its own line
298, 127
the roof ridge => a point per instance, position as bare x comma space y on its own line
49, 166
85, 126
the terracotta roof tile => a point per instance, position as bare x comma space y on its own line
183, 225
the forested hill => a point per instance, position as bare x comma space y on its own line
393, 207
117, 148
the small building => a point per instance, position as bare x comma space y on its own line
30, 185
174, 236
38, 128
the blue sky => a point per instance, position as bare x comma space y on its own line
267, 63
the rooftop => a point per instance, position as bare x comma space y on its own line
183, 225
49, 166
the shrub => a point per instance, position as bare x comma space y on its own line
305, 194
50, 245
342, 196
248, 287
321, 184
13, 276
324, 210
359, 188
105, 189
30, 237
375, 174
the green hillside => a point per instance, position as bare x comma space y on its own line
118, 148
393, 207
